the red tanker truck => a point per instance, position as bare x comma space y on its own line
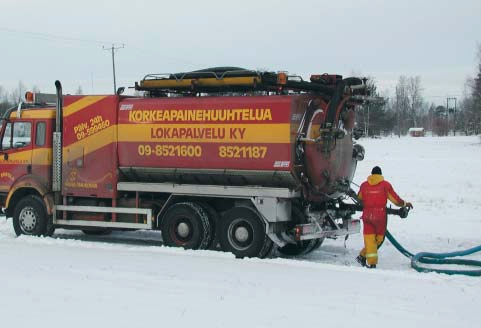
223, 158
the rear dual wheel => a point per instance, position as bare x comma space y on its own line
213, 220
242, 232
186, 225
193, 226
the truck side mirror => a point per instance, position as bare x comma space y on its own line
19, 144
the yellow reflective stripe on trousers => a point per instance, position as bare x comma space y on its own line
371, 255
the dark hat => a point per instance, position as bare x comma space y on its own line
376, 170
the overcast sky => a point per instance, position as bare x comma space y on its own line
42, 41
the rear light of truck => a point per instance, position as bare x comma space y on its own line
298, 232
304, 229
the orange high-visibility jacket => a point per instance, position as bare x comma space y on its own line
374, 194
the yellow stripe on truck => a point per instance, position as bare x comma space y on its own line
205, 133
81, 104
40, 156
91, 143
21, 157
36, 113
68, 110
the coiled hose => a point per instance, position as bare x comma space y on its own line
439, 258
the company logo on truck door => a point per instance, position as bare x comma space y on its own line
215, 115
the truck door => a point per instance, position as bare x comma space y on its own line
42, 152
16, 153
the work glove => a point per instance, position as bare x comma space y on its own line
408, 205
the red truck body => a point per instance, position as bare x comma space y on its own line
185, 165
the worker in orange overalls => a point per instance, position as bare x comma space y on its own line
374, 194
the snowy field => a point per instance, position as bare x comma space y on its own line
129, 280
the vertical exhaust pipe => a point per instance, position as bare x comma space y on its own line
57, 146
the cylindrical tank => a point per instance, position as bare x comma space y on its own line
274, 141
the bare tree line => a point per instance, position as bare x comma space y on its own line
9, 99
12, 98
470, 118
394, 115
407, 108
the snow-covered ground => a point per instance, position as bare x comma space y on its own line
128, 280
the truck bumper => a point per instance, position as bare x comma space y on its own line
314, 230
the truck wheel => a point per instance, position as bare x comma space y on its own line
294, 249
49, 231
213, 220
317, 243
186, 225
30, 216
267, 248
301, 248
242, 233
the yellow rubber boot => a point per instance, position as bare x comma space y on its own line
371, 244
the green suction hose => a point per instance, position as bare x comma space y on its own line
426, 257
439, 258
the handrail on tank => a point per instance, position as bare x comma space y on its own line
236, 79
181, 76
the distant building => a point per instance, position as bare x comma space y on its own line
416, 132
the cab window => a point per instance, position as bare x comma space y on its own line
7, 137
40, 134
17, 135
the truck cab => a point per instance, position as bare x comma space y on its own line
25, 153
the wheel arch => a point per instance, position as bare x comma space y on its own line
24, 187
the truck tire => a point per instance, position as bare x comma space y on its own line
317, 243
267, 248
30, 216
213, 221
295, 249
301, 248
49, 231
242, 233
186, 225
